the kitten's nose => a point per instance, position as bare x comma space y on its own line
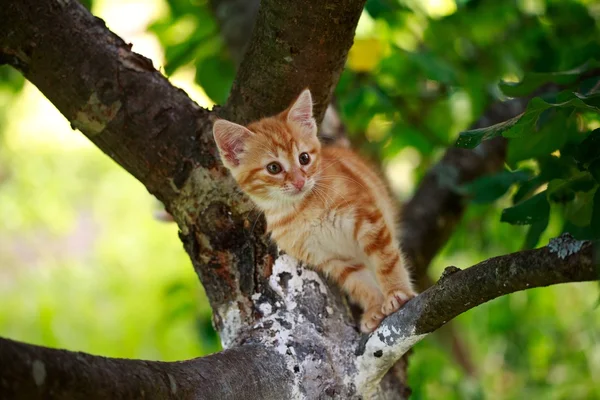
298, 183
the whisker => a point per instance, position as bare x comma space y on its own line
347, 178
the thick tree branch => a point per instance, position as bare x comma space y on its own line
295, 44
236, 18
563, 260
34, 372
113, 95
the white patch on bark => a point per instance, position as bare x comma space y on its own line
232, 324
379, 357
565, 245
287, 323
39, 372
95, 115
265, 309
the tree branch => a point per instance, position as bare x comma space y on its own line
236, 18
295, 44
563, 260
34, 372
111, 94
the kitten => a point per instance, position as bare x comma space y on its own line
324, 206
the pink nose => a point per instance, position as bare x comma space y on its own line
298, 183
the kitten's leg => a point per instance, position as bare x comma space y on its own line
362, 288
387, 263
395, 281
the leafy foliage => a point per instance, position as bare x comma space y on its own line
550, 129
420, 73
189, 34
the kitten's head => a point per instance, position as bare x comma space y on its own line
274, 160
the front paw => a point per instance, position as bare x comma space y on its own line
396, 299
371, 319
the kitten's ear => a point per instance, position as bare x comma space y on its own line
301, 113
230, 139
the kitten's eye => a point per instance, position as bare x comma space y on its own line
304, 158
274, 168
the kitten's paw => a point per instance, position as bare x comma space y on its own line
371, 319
396, 299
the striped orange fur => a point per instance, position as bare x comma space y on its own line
324, 206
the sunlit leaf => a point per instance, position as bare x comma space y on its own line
365, 54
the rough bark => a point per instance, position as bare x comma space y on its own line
154, 131
303, 43
262, 300
236, 19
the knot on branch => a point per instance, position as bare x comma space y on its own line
448, 271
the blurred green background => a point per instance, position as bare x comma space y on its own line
86, 267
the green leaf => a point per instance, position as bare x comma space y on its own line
534, 233
491, 187
566, 100
533, 80
563, 190
180, 54
11, 79
215, 74
529, 121
579, 211
470, 139
536, 143
529, 211
551, 167
589, 148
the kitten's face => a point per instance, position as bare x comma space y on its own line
275, 160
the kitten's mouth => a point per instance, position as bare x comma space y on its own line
298, 192
295, 193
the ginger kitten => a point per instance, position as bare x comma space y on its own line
323, 206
